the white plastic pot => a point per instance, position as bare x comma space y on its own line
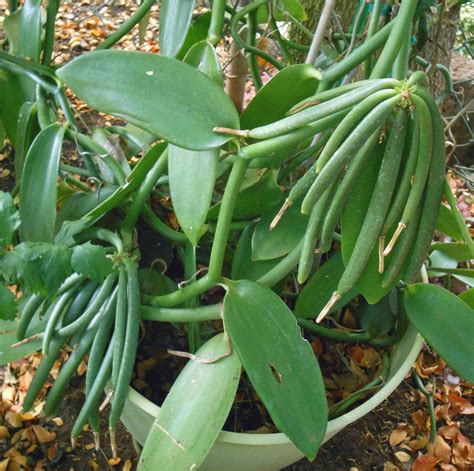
270, 452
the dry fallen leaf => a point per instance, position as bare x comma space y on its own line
424, 463
94, 465
13, 419
43, 435
4, 464
3, 432
57, 421
402, 456
127, 466
397, 436
114, 461
389, 466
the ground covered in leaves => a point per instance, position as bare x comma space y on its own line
392, 437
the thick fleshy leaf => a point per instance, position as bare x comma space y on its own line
10, 219
192, 177
283, 8
320, 287
91, 261
175, 18
287, 88
353, 215
279, 362
268, 244
255, 199
446, 323
447, 223
14, 91
30, 31
204, 57
154, 283
165, 97
7, 338
195, 409
27, 129
38, 186
196, 32
8, 305
379, 318
455, 250
243, 267
468, 297
11, 26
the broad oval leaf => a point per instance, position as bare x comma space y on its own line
38, 190
468, 297
320, 287
287, 88
280, 364
31, 30
27, 130
196, 32
447, 223
175, 18
195, 409
204, 57
192, 177
268, 244
161, 95
455, 250
446, 323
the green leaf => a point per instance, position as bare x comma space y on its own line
91, 261
255, 199
455, 250
27, 129
38, 190
175, 18
279, 362
204, 57
446, 323
194, 411
7, 338
14, 91
30, 31
243, 267
197, 32
377, 319
154, 283
292, 7
447, 223
268, 244
8, 307
192, 177
3, 134
10, 219
353, 215
287, 88
320, 287
468, 297
11, 26
165, 97
45, 266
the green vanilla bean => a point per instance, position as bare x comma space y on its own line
187, 314
127, 26
373, 26
398, 35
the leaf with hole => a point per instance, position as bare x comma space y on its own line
446, 322
203, 394
280, 364
167, 98
38, 189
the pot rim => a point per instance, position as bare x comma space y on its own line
335, 425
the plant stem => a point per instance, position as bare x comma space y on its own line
252, 38
429, 398
161, 228
214, 34
373, 27
193, 314
127, 26
458, 217
141, 197
320, 31
224, 221
12, 6
398, 35
52, 7
400, 67
278, 38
